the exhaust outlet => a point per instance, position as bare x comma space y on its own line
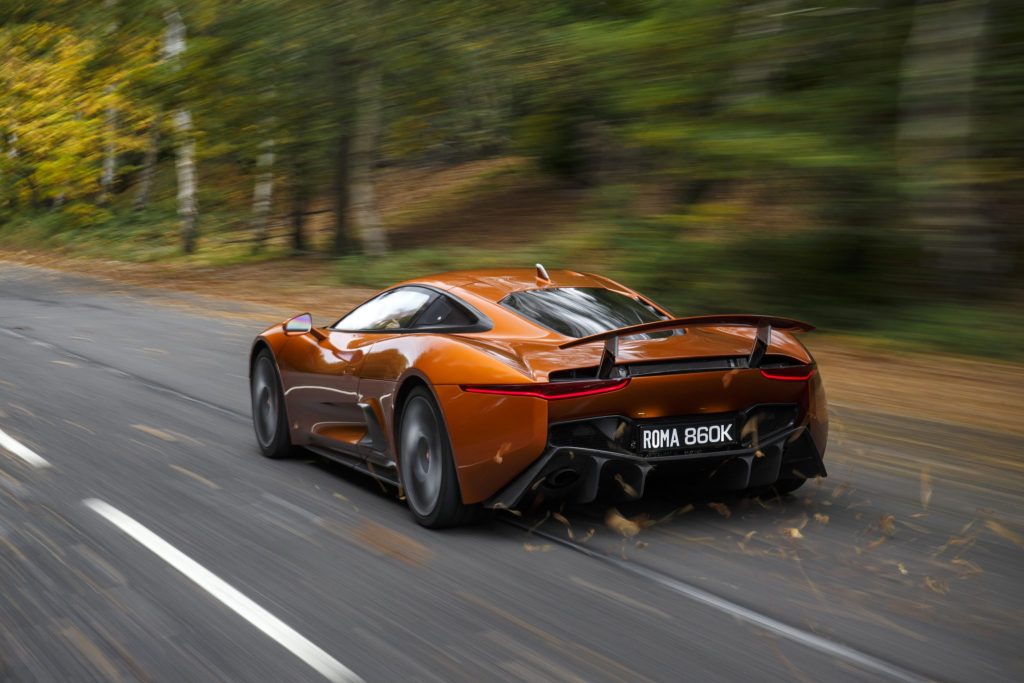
562, 478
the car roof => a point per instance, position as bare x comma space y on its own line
497, 283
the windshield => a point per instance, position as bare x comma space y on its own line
582, 311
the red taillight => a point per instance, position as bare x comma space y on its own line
552, 390
799, 373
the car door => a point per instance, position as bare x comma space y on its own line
322, 383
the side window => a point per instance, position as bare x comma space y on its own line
444, 312
390, 311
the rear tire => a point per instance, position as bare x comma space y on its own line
268, 414
426, 465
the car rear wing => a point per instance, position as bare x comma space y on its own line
763, 323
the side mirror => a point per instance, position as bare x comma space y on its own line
300, 324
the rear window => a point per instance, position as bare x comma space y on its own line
582, 311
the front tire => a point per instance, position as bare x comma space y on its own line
426, 464
268, 414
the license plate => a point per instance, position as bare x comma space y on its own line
654, 438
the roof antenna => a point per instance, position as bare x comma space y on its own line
542, 275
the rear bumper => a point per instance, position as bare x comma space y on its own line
578, 474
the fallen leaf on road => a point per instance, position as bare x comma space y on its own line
903, 570
969, 568
531, 548
840, 490
926, 488
1008, 534
888, 524
936, 585
152, 431
874, 544
792, 532
619, 524
382, 540
820, 518
721, 508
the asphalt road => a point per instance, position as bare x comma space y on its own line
143, 538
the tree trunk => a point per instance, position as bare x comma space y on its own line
109, 148
300, 202
186, 170
937, 83
148, 165
185, 146
362, 160
262, 194
342, 237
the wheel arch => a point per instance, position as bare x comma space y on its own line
411, 380
259, 345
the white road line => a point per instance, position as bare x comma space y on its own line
797, 635
291, 639
9, 443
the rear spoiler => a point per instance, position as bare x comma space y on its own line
763, 323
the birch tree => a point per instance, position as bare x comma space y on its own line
262, 194
185, 167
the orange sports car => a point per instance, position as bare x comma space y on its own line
486, 388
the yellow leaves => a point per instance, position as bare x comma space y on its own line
626, 528
902, 570
1003, 532
888, 525
792, 532
820, 518
531, 548
722, 509
55, 100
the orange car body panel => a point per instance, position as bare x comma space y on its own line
494, 438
